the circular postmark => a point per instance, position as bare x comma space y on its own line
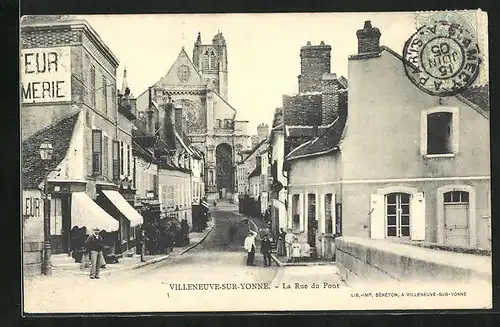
442, 58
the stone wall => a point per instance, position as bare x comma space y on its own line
382, 261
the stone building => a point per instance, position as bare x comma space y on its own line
199, 87
424, 177
69, 98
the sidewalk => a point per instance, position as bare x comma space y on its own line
62, 263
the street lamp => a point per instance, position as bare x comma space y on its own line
46, 151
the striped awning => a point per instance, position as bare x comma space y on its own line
205, 204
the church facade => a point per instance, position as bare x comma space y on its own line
198, 87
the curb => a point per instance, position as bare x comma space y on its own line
302, 264
142, 264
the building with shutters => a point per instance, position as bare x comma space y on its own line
400, 164
69, 98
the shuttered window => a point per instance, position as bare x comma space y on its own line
328, 214
92, 85
105, 95
96, 152
116, 160
105, 154
121, 158
128, 160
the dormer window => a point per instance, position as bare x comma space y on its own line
439, 132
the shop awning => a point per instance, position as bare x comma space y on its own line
85, 212
205, 204
124, 207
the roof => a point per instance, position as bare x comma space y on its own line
303, 131
256, 172
59, 135
303, 109
478, 95
255, 148
323, 144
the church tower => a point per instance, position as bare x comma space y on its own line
211, 62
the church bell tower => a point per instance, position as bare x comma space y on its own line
211, 62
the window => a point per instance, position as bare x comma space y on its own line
105, 154
116, 160
328, 214
121, 158
398, 215
439, 133
105, 95
213, 60
206, 61
132, 233
96, 152
456, 197
219, 123
92, 85
113, 99
128, 160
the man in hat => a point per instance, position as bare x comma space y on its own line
95, 244
250, 247
265, 249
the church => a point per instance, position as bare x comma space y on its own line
198, 88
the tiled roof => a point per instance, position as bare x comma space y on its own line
256, 172
59, 135
250, 152
479, 95
322, 144
303, 131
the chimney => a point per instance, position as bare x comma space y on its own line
168, 124
262, 132
315, 60
368, 39
329, 103
150, 129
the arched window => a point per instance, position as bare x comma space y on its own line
206, 61
213, 61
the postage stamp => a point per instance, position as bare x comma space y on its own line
255, 162
443, 57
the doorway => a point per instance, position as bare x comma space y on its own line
311, 220
456, 218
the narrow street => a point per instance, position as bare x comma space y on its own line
219, 259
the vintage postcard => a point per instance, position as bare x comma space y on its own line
255, 162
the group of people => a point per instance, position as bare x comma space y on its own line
289, 246
265, 248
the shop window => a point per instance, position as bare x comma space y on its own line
96, 152
132, 233
56, 216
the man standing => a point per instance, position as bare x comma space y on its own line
265, 249
94, 244
250, 247
288, 244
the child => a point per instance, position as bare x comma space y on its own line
295, 250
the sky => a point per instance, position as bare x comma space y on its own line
263, 49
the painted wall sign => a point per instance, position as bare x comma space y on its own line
46, 75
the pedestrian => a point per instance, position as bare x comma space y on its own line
281, 243
295, 250
265, 249
288, 244
250, 247
94, 244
